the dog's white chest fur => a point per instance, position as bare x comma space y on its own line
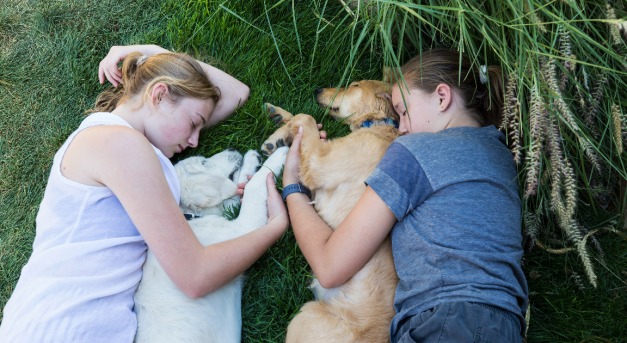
165, 314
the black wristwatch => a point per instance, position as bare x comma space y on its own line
295, 188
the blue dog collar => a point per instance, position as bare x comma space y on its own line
386, 121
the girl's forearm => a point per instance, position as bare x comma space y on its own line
220, 263
234, 93
312, 235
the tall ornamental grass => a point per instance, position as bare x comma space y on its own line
564, 116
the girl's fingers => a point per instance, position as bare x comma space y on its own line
101, 76
270, 183
292, 162
297, 139
323, 135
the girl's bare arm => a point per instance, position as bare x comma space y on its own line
122, 159
234, 93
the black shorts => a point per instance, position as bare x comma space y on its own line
460, 322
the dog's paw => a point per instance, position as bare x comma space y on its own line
276, 161
272, 144
308, 123
278, 115
250, 165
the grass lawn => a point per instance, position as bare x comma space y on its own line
49, 55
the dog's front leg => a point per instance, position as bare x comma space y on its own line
254, 211
312, 149
280, 137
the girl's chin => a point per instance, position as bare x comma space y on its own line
169, 154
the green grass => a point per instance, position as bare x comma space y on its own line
49, 53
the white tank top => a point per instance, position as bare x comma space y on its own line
79, 282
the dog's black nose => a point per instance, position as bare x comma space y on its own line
318, 91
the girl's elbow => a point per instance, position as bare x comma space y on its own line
192, 290
194, 293
195, 288
327, 283
329, 279
244, 94
198, 291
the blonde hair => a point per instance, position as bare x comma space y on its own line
181, 73
433, 67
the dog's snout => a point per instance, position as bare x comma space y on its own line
230, 148
318, 91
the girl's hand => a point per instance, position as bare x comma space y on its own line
108, 67
323, 134
277, 213
241, 186
291, 170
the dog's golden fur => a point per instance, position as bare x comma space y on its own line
360, 310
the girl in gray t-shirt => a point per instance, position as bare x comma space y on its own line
448, 194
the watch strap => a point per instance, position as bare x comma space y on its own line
295, 188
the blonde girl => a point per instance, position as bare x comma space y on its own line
112, 192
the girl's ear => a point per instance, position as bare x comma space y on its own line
445, 95
158, 92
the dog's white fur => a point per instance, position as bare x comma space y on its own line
208, 186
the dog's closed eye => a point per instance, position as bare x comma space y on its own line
232, 175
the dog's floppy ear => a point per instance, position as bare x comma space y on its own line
385, 95
386, 104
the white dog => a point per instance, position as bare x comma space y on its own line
208, 186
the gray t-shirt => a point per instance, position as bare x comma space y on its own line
458, 235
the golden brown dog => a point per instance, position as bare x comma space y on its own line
360, 310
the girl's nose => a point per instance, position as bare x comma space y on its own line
402, 128
193, 139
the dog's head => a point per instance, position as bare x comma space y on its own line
206, 183
360, 98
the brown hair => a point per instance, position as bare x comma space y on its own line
181, 73
432, 67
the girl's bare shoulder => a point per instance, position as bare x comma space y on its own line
98, 151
